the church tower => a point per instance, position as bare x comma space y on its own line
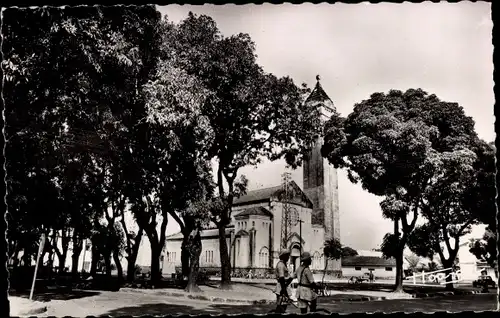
320, 178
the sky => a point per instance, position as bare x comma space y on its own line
358, 49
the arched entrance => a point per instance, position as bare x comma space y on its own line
295, 256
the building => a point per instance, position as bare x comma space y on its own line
258, 232
471, 267
358, 265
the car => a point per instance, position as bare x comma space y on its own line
360, 279
484, 280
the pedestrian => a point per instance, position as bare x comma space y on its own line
372, 277
284, 279
306, 295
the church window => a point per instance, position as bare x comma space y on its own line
209, 256
253, 223
316, 261
263, 257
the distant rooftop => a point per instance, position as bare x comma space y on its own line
367, 261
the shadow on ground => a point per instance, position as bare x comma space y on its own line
49, 295
172, 309
485, 302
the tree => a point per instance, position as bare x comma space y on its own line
447, 207
332, 250
481, 197
348, 251
394, 144
104, 57
249, 114
486, 249
413, 261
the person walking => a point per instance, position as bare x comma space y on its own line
372, 277
284, 279
306, 295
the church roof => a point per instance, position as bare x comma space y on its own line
205, 234
255, 211
265, 194
257, 195
367, 261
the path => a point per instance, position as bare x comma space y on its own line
121, 303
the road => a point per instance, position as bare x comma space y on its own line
121, 303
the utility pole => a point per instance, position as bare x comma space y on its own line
300, 234
285, 219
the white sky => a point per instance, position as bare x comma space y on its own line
443, 48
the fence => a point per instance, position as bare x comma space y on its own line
436, 277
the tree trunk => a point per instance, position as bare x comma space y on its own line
194, 248
132, 257
95, 260
132, 249
62, 256
119, 268
224, 258
107, 263
75, 257
15, 258
399, 250
399, 271
155, 263
62, 260
131, 268
26, 258
185, 255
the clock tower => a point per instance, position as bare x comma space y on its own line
320, 178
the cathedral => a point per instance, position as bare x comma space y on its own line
264, 221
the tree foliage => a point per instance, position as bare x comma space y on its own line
399, 146
244, 113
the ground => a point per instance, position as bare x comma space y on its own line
99, 303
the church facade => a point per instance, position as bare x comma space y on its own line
255, 235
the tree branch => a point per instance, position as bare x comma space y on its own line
178, 220
446, 237
462, 228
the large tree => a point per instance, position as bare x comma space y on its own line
102, 57
481, 196
250, 115
453, 203
394, 145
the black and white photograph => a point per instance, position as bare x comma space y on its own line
250, 159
